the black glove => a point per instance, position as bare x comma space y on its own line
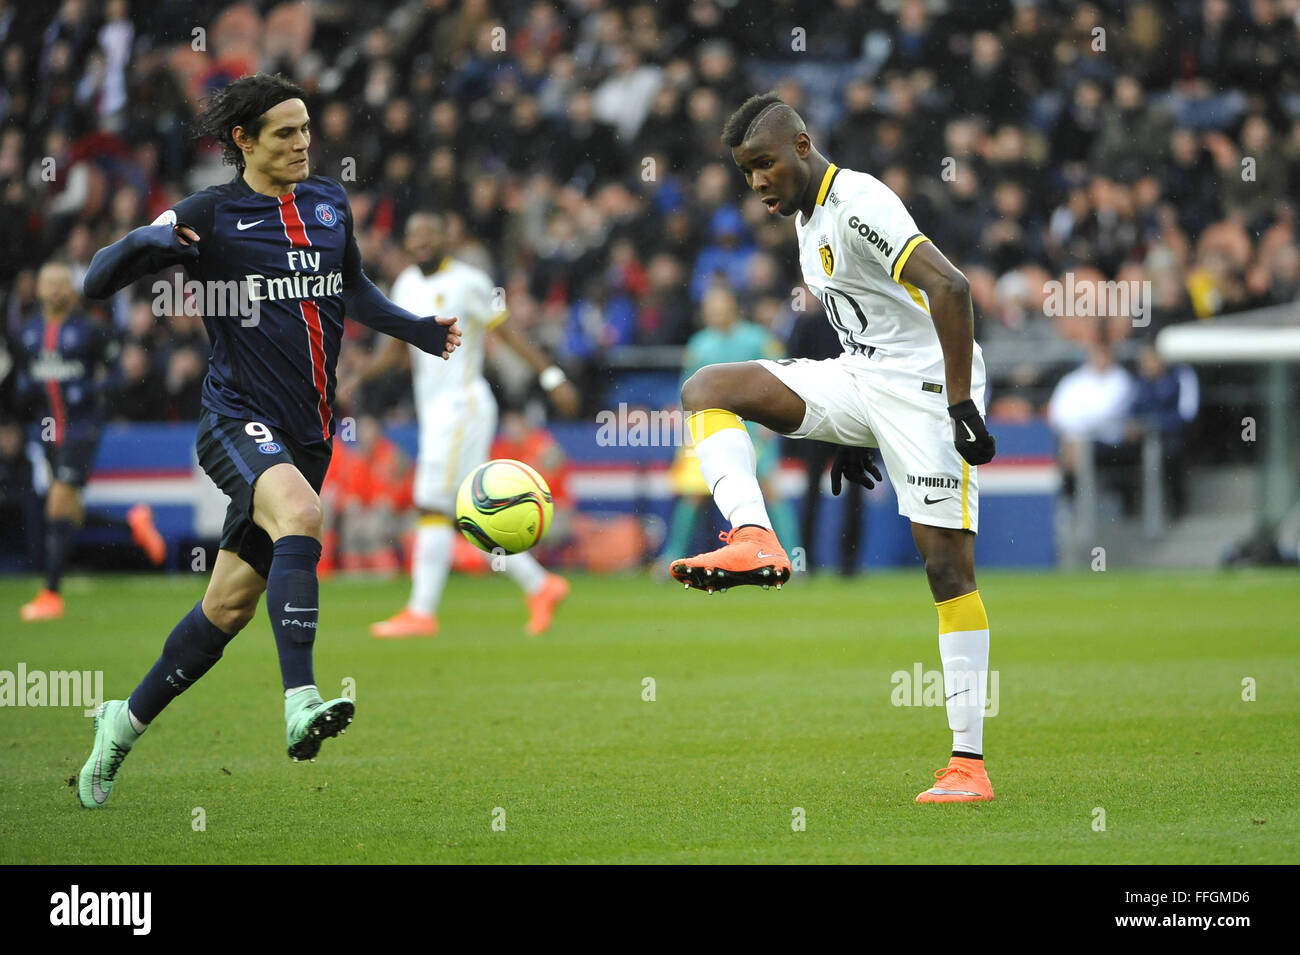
857, 465
972, 438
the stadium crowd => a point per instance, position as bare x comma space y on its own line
575, 146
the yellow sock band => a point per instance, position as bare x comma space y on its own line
710, 421
434, 520
962, 613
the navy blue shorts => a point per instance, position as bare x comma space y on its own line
234, 454
71, 461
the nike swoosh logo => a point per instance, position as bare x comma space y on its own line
958, 693
969, 432
937, 499
761, 555
241, 225
97, 793
288, 609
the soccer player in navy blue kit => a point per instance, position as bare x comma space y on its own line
67, 366
284, 239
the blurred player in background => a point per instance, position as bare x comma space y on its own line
726, 337
68, 368
910, 381
266, 432
457, 419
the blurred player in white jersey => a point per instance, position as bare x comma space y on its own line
458, 420
910, 382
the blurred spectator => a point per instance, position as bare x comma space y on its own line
1133, 135
1254, 176
727, 257
664, 310
1165, 403
143, 396
624, 99
20, 506
1091, 406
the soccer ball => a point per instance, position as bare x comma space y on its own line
504, 504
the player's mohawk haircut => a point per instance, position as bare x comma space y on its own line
742, 121
242, 103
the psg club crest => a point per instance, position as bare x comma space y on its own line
828, 259
326, 215
269, 447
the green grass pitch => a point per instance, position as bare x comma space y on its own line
1118, 691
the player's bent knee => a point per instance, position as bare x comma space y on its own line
698, 391
300, 515
308, 518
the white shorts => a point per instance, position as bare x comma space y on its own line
456, 432
858, 401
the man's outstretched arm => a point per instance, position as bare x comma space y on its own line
364, 303
140, 252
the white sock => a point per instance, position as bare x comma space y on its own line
727, 462
136, 726
298, 689
965, 655
524, 570
431, 562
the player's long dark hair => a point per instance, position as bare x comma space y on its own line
242, 103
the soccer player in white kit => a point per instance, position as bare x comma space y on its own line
910, 382
458, 420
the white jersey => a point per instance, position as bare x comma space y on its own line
460, 290
852, 251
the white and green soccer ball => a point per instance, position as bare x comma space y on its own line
504, 505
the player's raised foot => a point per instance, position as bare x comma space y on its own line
964, 780
114, 738
47, 605
543, 604
145, 533
311, 720
752, 555
404, 624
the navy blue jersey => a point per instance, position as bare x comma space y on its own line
66, 369
272, 277
292, 257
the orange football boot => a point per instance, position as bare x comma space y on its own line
965, 780
753, 555
405, 623
145, 533
543, 604
47, 605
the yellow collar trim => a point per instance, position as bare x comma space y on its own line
826, 183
